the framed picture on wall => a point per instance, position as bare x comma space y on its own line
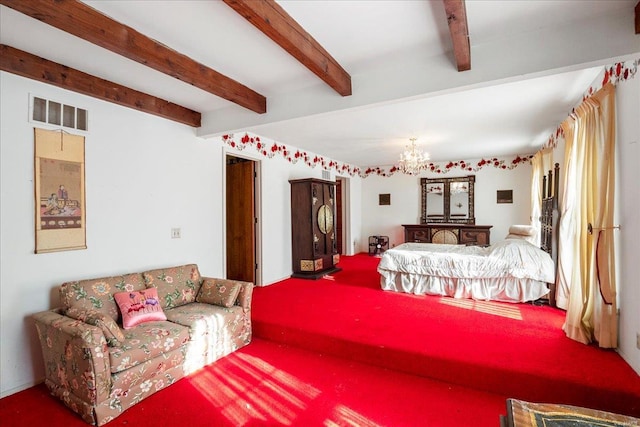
504, 196
384, 199
59, 191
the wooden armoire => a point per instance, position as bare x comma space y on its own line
313, 236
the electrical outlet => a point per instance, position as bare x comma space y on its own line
175, 233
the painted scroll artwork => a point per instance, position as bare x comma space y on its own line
59, 175
60, 191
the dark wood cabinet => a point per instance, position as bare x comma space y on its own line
460, 234
313, 236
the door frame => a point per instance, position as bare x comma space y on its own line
257, 189
347, 248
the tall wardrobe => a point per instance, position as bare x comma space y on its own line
313, 235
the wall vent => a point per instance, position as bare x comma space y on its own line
58, 114
326, 175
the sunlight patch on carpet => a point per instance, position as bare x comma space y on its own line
345, 416
511, 312
254, 390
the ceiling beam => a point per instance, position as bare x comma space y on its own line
24, 64
82, 21
273, 21
638, 18
457, 20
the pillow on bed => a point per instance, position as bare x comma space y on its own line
530, 239
522, 230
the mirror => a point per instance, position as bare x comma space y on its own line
458, 200
448, 200
435, 200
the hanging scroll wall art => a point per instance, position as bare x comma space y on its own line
60, 191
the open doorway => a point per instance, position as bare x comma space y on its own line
242, 235
342, 216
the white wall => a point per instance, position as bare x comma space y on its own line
628, 198
144, 176
352, 193
405, 202
386, 220
356, 214
275, 212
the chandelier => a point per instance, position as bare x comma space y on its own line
413, 161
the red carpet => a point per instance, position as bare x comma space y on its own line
466, 358
517, 350
266, 384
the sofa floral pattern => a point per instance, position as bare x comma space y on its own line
99, 379
176, 286
97, 294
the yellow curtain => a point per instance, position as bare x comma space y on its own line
568, 236
587, 260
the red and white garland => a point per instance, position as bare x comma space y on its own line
618, 72
272, 149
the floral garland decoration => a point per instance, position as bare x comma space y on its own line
464, 165
614, 74
270, 150
552, 142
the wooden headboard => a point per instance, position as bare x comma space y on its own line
549, 221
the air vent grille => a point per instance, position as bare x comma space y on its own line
58, 114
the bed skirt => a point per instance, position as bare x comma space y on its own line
496, 289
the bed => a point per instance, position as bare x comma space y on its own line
513, 270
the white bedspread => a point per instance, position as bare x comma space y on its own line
512, 270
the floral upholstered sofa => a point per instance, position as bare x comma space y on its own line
117, 340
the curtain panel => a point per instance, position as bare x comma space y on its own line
541, 162
586, 261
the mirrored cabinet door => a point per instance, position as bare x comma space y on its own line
448, 200
435, 201
458, 200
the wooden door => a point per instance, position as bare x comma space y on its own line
241, 219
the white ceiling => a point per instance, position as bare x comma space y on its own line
531, 61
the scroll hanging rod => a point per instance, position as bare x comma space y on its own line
590, 228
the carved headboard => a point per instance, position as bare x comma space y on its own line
549, 221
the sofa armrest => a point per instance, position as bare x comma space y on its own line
244, 297
75, 355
